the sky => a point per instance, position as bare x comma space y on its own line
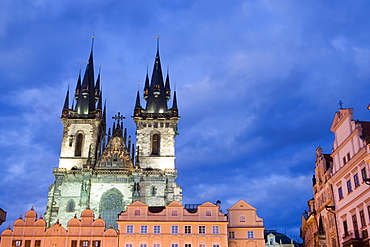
258, 83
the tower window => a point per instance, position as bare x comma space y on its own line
154, 190
78, 149
71, 206
155, 144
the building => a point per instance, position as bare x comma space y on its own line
32, 231
106, 172
319, 226
276, 239
130, 188
341, 204
141, 225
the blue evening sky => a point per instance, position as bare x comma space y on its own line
258, 83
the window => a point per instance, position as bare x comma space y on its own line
348, 157
84, 243
250, 234
345, 228
130, 229
71, 206
143, 229
216, 245
355, 226
154, 191
202, 245
174, 212
143, 245
242, 218
96, 243
137, 212
202, 229
368, 211
355, 179
340, 193
362, 218
187, 245
187, 229
156, 245
27, 243
174, 245
74, 243
78, 149
232, 235
344, 160
128, 245
215, 230
349, 186
174, 229
208, 213
155, 144
37, 243
157, 229
17, 243
363, 173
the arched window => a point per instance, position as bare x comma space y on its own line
155, 144
71, 206
111, 204
78, 149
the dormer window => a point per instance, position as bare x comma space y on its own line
137, 212
208, 213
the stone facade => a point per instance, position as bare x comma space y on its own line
166, 129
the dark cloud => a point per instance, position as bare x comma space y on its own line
258, 83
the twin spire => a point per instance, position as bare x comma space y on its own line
88, 94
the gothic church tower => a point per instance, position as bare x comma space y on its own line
104, 172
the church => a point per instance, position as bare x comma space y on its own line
106, 172
125, 193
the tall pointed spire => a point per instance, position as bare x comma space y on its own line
137, 104
167, 85
78, 85
174, 103
146, 87
65, 110
97, 86
156, 100
86, 98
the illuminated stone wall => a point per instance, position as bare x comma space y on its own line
145, 129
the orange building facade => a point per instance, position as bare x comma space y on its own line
141, 225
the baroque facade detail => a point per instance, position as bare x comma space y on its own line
339, 213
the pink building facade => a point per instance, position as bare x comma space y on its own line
141, 225
339, 213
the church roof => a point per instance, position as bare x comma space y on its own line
279, 237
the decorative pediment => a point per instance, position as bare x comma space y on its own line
115, 155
